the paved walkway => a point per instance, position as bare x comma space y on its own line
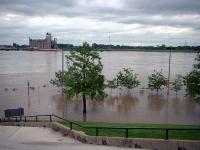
37, 138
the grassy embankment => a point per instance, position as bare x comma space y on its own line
134, 133
189, 135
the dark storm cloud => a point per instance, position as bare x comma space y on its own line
180, 14
34, 7
125, 12
165, 6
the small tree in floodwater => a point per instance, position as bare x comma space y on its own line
177, 83
192, 80
127, 78
112, 84
157, 80
84, 75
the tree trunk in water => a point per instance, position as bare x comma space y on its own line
84, 117
157, 91
84, 104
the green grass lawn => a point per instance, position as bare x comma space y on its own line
136, 133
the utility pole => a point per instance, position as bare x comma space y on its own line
62, 69
169, 71
185, 43
28, 88
109, 42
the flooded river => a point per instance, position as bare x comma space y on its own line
142, 106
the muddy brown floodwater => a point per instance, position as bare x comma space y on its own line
140, 106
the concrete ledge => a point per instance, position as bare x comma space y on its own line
29, 124
156, 144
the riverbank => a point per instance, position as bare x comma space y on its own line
137, 133
98, 139
35, 138
109, 129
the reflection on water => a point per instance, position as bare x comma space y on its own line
176, 105
192, 105
77, 106
156, 102
62, 104
124, 104
95, 105
126, 108
140, 105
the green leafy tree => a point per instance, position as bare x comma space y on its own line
84, 75
177, 83
157, 80
60, 78
192, 80
127, 78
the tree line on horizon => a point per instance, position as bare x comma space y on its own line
108, 47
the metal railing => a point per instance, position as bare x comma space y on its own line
98, 128
25, 118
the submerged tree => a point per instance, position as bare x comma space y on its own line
157, 80
127, 78
112, 84
84, 75
177, 83
192, 80
60, 78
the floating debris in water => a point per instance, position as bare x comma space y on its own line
32, 87
14, 89
44, 86
6, 89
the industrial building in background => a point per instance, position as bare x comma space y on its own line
43, 44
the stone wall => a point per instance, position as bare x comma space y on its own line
155, 144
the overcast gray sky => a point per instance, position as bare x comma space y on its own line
128, 22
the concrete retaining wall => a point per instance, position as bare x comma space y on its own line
29, 124
155, 144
